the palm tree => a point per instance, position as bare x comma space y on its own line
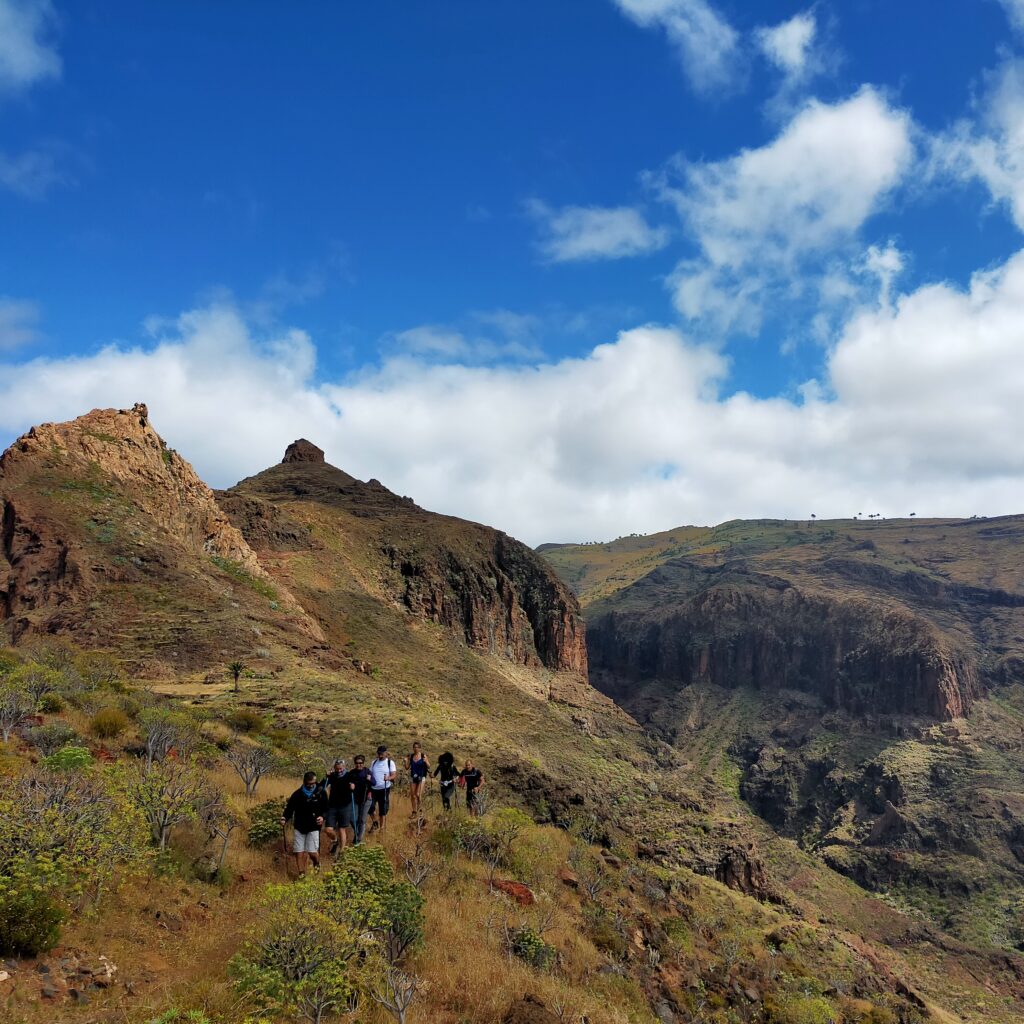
236, 668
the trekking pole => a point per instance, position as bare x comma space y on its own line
284, 849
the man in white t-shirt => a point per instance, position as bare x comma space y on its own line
382, 774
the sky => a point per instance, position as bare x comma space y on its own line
575, 269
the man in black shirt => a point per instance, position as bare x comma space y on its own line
307, 805
339, 802
473, 779
357, 781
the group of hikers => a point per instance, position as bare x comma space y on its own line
345, 800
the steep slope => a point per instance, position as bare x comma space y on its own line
490, 589
858, 683
111, 538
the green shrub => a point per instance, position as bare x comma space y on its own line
51, 704
800, 1009
176, 1016
30, 920
108, 723
246, 720
49, 738
265, 822
300, 962
68, 759
608, 939
363, 890
526, 944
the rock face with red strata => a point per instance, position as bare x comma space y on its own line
109, 536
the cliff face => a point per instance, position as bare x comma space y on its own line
497, 594
101, 502
686, 624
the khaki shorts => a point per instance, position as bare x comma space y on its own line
305, 842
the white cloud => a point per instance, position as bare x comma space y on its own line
759, 215
578, 233
31, 174
26, 54
991, 149
917, 410
708, 45
19, 320
788, 45
1015, 12
490, 336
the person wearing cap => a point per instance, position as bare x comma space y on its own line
382, 775
339, 803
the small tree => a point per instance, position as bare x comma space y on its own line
395, 991
16, 707
251, 761
36, 680
590, 873
219, 821
167, 793
164, 731
236, 668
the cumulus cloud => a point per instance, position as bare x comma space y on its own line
759, 215
707, 44
27, 54
916, 410
788, 45
19, 323
991, 149
581, 233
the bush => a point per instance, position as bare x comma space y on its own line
246, 720
30, 920
265, 822
800, 1009
49, 738
108, 723
526, 944
363, 890
68, 759
51, 704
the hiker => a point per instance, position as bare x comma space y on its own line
307, 805
382, 776
339, 806
358, 782
418, 766
473, 779
447, 773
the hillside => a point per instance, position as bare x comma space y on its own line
861, 679
359, 616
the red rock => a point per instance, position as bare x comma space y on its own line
519, 892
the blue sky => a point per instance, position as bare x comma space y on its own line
575, 268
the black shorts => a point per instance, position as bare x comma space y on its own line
339, 817
380, 799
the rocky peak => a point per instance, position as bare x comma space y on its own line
302, 451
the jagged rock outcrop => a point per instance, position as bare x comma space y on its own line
101, 501
303, 451
685, 624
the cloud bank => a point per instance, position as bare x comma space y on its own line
918, 410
